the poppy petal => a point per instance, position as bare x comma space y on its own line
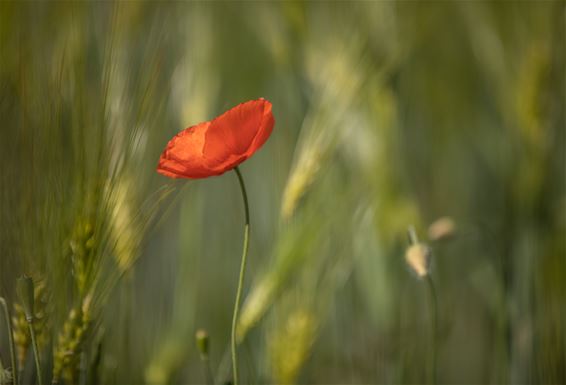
232, 133
183, 154
266, 127
212, 148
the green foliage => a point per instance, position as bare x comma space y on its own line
387, 114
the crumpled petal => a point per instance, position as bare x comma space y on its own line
212, 148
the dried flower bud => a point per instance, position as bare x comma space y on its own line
24, 286
202, 342
441, 229
418, 259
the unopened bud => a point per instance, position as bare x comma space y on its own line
418, 259
202, 342
441, 229
24, 287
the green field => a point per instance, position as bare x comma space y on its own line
446, 117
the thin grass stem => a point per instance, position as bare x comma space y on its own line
1, 372
35, 351
433, 301
15, 372
241, 277
412, 235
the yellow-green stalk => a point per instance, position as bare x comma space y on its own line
22, 337
25, 290
4, 378
11, 342
66, 355
290, 344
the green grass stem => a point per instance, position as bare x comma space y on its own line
35, 351
11, 341
433, 303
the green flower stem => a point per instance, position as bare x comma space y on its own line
35, 350
209, 377
433, 314
241, 278
11, 341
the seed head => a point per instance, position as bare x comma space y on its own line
202, 342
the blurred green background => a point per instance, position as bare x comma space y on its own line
388, 114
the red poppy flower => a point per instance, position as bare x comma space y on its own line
214, 147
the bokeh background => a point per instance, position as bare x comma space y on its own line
388, 114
